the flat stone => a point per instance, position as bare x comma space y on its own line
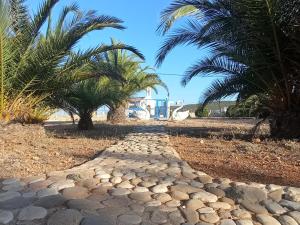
97, 220
10, 181
129, 219
18, 186
210, 218
191, 215
295, 215
159, 217
274, 207
84, 204
287, 220
178, 195
65, 217
205, 179
206, 210
39, 185
185, 188
153, 203
173, 203
276, 195
219, 205
246, 193
244, 222
241, 214
216, 191
163, 197
254, 207
160, 188
116, 180
9, 195
60, 185
32, 213
120, 191
89, 183
47, 192
291, 205
125, 184
6, 216
75, 193
194, 204
176, 217
50, 201
227, 222
141, 196
266, 220
140, 189
16, 203
205, 196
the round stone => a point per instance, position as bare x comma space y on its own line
265, 219
163, 197
84, 204
120, 191
160, 188
205, 196
287, 220
178, 195
159, 217
141, 196
32, 213
140, 189
206, 210
244, 222
6, 216
219, 205
8, 195
65, 217
60, 185
227, 222
75, 193
50, 201
194, 204
128, 219
47, 192
210, 218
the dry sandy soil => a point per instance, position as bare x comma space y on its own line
33, 149
223, 148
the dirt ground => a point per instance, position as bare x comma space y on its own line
33, 149
223, 148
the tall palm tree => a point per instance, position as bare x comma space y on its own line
36, 63
254, 44
135, 78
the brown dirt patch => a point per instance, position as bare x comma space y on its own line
222, 148
32, 149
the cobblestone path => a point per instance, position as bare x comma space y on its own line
142, 180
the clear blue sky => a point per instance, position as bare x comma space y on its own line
141, 18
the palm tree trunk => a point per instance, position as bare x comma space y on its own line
118, 114
285, 125
85, 122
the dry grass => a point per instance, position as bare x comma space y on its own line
223, 148
33, 149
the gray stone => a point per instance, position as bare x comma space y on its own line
274, 207
47, 192
159, 217
75, 193
65, 217
10, 181
266, 220
287, 220
216, 191
50, 201
254, 207
32, 213
241, 214
129, 219
185, 188
16, 203
84, 204
291, 205
6, 216
9, 195
96, 220
246, 193
206, 210
191, 215
295, 215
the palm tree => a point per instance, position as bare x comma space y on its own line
135, 78
37, 64
254, 45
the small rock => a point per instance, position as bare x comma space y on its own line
219, 205
194, 204
266, 220
178, 195
206, 210
141, 196
47, 192
32, 213
191, 215
205, 196
158, 217
6, 216
130, 219
287, 220
274, 207
295, 215
227, 222
50, 201
8, 195
120, 191
160, 188
244, 222
65, 217
210, 218
84, 204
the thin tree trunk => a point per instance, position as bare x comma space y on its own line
85, 122
118, 114
285, 125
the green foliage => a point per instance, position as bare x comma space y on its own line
40, 65
202, 112
254, 45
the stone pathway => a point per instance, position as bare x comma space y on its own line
142, 180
